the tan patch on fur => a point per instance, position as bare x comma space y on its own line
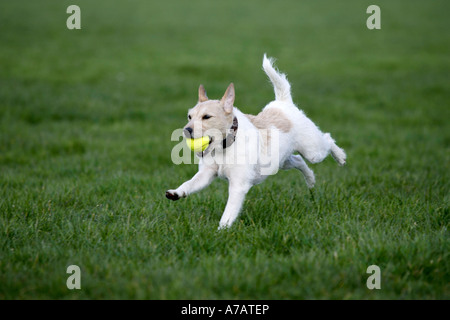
271, 117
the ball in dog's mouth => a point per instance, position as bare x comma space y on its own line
199, 144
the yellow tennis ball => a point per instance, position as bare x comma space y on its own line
198, 144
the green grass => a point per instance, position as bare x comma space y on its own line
85, 123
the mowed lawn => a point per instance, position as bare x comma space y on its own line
86, 118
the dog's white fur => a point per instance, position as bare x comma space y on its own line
295, 132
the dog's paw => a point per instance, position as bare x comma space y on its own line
172, 195
310, 179
223, 226
225, 223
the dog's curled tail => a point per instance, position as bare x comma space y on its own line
280, 83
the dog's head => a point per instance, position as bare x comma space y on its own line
211, 117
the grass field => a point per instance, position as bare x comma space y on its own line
86, 118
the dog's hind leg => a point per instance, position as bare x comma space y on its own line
337, 153
297, 162
319, 147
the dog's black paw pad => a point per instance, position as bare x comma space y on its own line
172, 196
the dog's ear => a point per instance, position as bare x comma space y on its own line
228, 99
202, 94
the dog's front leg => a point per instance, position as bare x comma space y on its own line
200, 180
237, 192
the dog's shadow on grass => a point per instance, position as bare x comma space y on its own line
263, 208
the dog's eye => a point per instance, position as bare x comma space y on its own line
206, 117
189, 117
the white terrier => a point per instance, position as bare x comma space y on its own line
223, 133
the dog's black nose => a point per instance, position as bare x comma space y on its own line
188, 132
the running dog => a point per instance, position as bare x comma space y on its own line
220, 132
